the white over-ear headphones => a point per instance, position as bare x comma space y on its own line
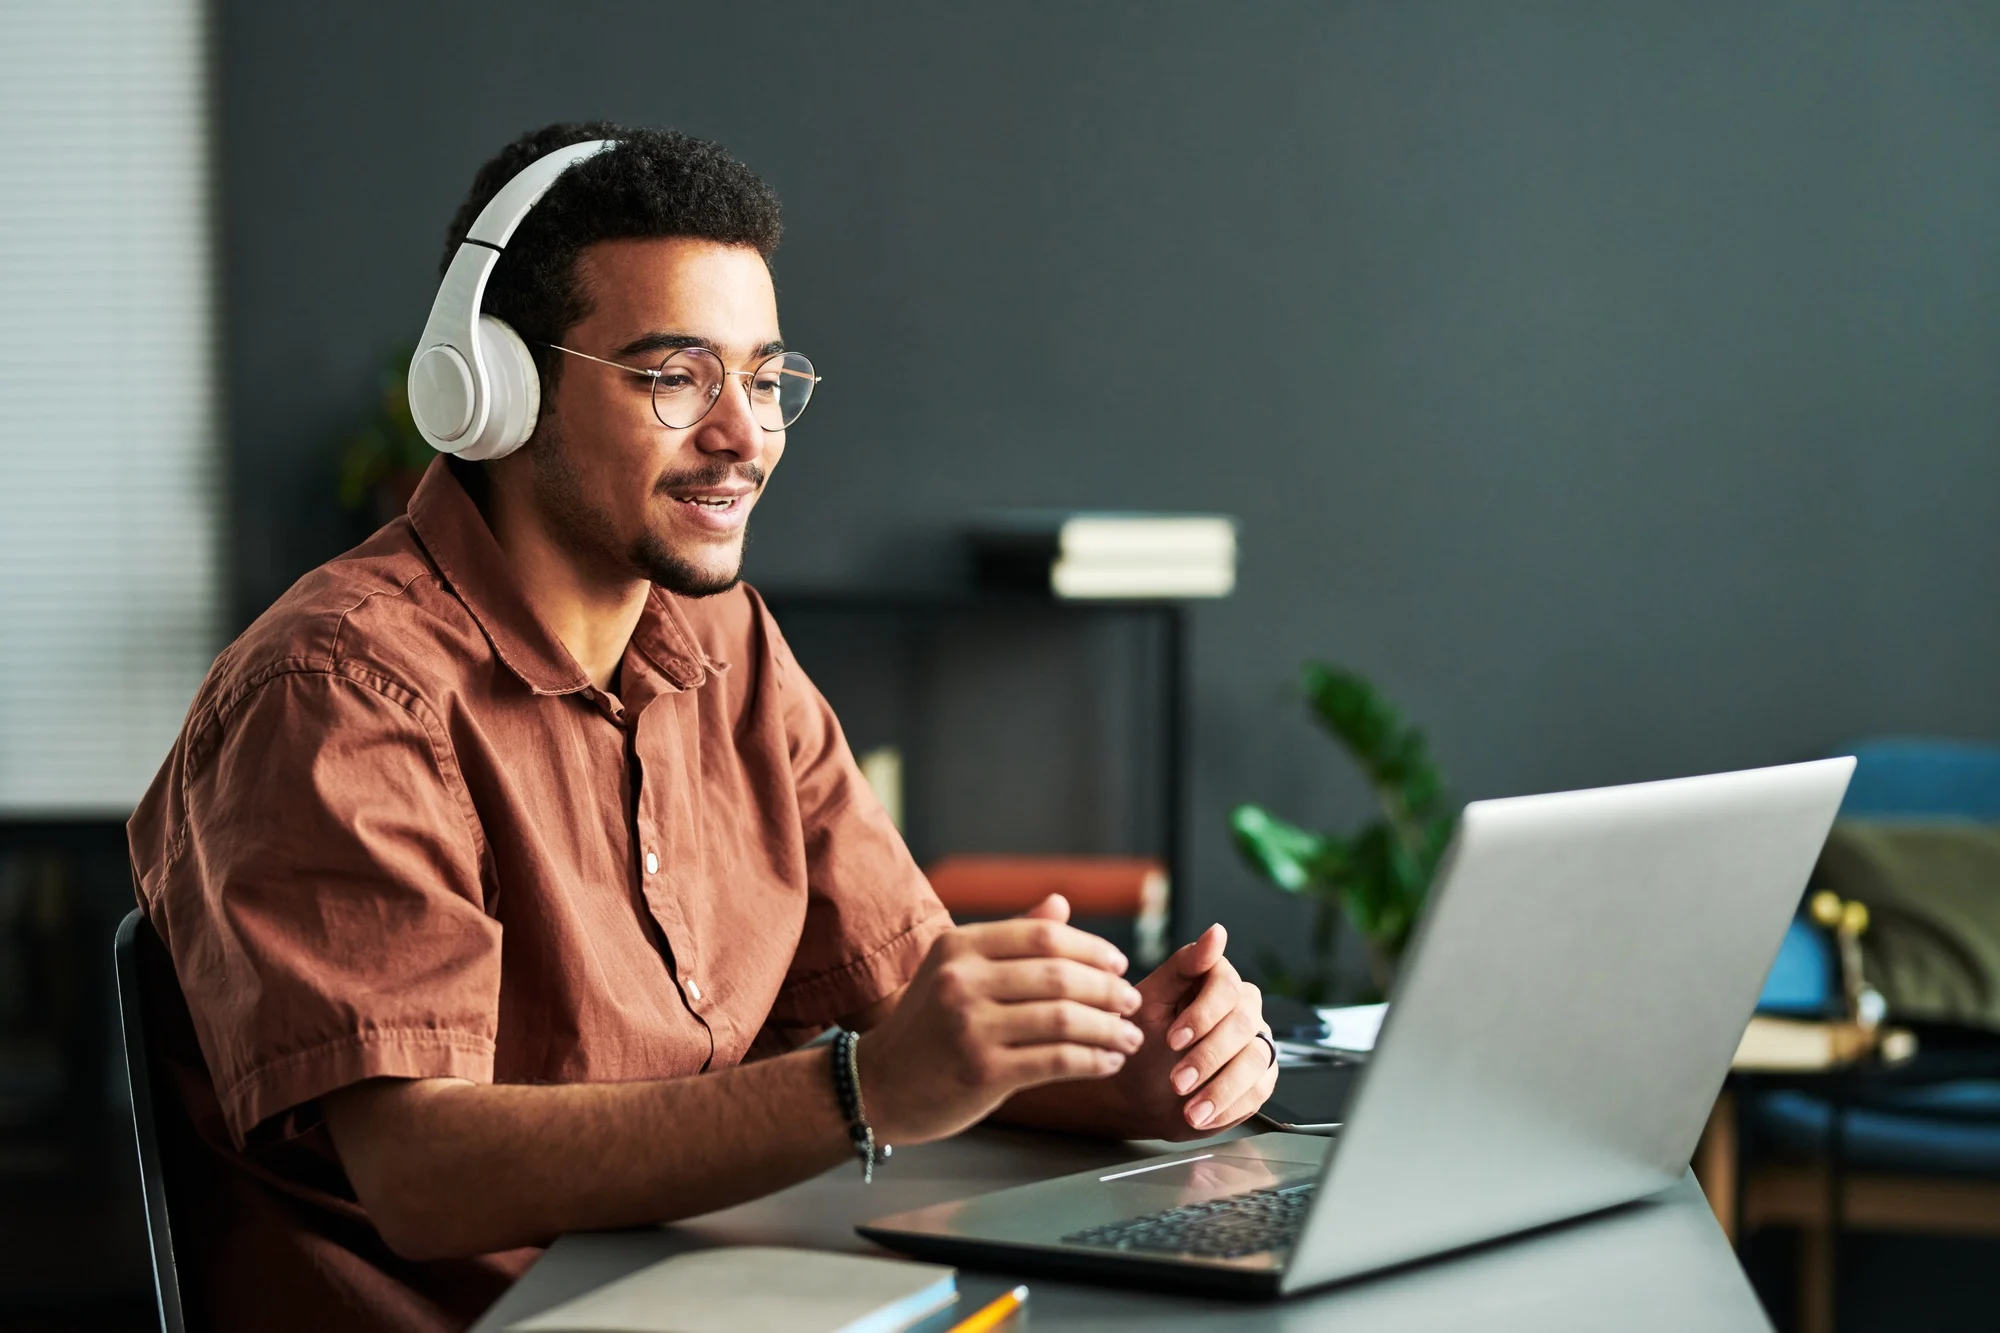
473, 387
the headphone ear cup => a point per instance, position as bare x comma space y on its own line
513, 392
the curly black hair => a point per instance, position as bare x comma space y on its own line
654, 183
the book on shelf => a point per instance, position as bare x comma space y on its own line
1791, 1045
1090, 554
972, 886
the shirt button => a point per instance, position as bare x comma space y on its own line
652, 864
694, 990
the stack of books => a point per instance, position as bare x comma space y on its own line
1106, 555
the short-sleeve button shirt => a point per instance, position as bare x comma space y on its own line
402, 834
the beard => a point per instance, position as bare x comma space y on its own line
586, 529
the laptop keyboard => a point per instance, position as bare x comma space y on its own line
1225, 1228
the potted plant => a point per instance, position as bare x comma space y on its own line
1377, 877
382, 461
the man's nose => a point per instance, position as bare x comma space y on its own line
729, 427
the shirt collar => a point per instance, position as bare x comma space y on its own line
461, 545
664, 639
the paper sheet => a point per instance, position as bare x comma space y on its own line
1352, 1027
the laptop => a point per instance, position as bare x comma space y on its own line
1562, 1022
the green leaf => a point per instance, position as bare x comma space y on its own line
387, 442
1379, 878
1391, 754
1295, 859
1283, 852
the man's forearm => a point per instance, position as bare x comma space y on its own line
447, 1168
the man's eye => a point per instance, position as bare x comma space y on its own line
766, 386
673, 381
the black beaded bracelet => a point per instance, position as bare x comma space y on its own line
847, 1090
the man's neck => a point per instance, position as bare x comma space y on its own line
591, 609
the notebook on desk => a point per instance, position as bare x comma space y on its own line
761, 1289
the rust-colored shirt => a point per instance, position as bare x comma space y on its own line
401, 834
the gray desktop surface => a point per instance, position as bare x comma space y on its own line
1659, 1264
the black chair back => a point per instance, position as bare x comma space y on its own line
134, 934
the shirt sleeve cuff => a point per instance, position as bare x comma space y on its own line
277, 1085
838, 992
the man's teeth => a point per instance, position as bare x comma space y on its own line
708, 501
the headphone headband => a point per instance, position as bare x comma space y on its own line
473, 387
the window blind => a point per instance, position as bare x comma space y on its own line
109, 504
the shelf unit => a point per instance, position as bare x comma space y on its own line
1027, 723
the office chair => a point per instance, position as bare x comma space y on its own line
135, 934
1915, 1153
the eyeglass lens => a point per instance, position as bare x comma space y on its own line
690, 381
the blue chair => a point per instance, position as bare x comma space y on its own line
1924, 779
1893, 779
1914, 1150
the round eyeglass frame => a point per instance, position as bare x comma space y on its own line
656, 372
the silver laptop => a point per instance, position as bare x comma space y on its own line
1562, 1023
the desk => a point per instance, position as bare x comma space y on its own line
1660, 1264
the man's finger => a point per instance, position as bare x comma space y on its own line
1033, 937
1238, 1079
1061, 1022
1248, 1104
1219, 994
1167, 985
1236, 1032
1192, 960
1055, 907
1014, 979
1030, 1066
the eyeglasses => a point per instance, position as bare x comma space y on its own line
689, 382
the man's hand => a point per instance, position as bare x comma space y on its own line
1203, 1067
996, 1008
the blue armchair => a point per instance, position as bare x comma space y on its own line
1915, 1149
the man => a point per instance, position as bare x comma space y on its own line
507, 862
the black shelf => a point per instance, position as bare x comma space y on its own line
1029, 627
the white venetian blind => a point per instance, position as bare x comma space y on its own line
109, 587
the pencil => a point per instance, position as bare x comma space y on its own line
992, 1316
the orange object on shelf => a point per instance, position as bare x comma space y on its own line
1095, 885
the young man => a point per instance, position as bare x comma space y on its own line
491, 855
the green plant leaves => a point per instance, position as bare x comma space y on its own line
1379, 877
1294, 859
1392, 754
388, 442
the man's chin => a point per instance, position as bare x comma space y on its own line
701, 576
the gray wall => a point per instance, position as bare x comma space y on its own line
1619, 383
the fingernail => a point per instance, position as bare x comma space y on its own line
1134, 1038
1116, 961
1180, 1038
1184, 1079
1199, 1113
1129, 998
1114, 1059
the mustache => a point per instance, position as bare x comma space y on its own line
713, 475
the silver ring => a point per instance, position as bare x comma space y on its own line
1265, 1037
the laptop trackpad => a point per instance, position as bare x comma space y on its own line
1149, 1189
